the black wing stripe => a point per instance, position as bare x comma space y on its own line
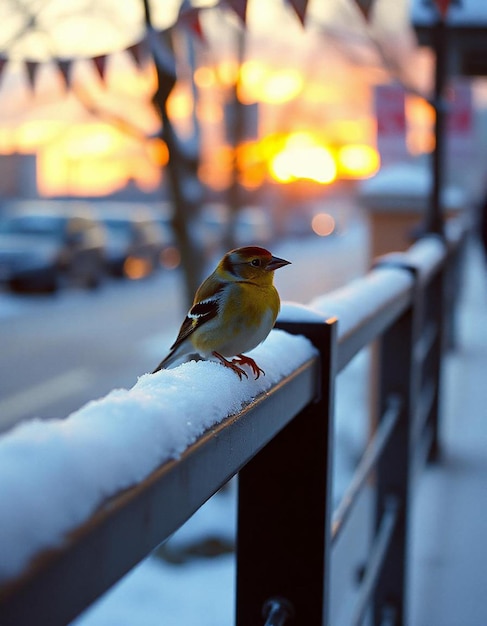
199, 314
204, 309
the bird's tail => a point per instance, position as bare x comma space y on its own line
165, 361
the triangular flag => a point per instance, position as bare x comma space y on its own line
32, 67
365, 7
100, 64
139, 53
65, 66
3, 64
239, 7
299, 7
443, 6
189, 17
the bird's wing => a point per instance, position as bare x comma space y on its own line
199, 314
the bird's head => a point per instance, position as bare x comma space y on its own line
251, 263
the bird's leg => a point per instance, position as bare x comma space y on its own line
238, 370
246, 360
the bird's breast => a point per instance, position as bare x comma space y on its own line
246, 317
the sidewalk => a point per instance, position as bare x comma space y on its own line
449, 543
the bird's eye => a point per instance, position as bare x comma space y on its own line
255, 262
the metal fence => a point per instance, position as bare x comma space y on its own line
281, 447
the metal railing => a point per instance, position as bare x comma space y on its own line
281, 447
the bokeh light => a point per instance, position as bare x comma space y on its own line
323, 224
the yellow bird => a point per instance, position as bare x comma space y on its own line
233, 311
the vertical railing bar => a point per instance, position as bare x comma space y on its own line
284, 504
425, 404
423, 447
376, 559
426, 341
366, 465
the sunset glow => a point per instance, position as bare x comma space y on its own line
260, 83
303, 158
358, 161
97, 159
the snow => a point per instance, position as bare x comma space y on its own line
49, 470
407, 185
295, 312
362, 298
152, 591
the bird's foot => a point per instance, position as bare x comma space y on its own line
246, 360
231, 364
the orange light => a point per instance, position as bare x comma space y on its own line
158, 151
303, 158
281, 87
216, 171
170, 258
204, 77
420, 116
228, 73
358, 161
179, 103
136, 268
34, 134
323, 224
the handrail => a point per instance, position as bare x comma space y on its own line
281, 446
156, 508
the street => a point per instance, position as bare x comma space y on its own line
59, 352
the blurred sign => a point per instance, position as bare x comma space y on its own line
460, 126
391, 123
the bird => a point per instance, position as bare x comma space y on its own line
233, 311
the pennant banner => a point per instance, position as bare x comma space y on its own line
153, 44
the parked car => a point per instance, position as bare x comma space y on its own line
135, 239
45, 245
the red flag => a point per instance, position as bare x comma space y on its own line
443, 6
100, 64
299, 7
189, 17
239, 7
31, 67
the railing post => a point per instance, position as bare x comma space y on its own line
284, 514
397, 376
435, 315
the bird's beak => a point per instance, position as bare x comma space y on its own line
275, 263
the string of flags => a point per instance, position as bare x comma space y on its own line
188, 18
